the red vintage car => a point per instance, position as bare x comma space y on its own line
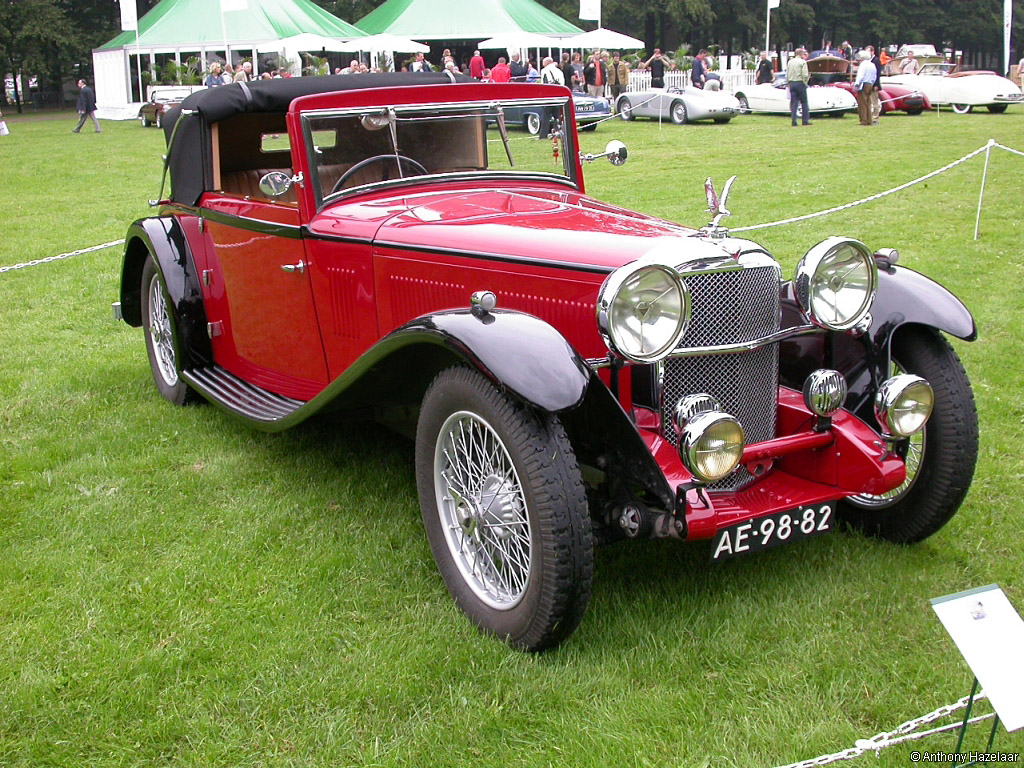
894, 98
572, 372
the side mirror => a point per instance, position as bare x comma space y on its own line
616, 152
275, 183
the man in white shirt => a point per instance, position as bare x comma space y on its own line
909, 65
551, 73
864, 85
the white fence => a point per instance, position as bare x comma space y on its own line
732, 79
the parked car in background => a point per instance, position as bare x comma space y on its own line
895, 98
161, 99
773, 98
680, 105
962, 91
538, 121
572, 372
925, 53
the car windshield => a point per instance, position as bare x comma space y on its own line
937, 69
352, 149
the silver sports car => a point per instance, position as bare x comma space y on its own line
680, 105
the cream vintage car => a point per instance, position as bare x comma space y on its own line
961, 90
773, 98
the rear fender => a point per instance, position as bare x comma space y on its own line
163, 238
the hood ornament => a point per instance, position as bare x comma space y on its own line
716, 207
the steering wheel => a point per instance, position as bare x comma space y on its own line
418, 170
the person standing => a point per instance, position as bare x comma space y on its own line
86, 107
500, 72
596, 75
657, 66
909, 65
244, 73
216, 77
517, 69
876, 103
568, 73
618, 77
700, 68
420, 64
797, 78
477, 66
551, 73
765, 74
863, 86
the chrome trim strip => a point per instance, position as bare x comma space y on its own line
747, 346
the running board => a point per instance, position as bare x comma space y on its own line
230, 392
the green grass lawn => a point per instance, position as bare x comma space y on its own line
178, 589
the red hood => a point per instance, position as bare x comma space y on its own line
534, 223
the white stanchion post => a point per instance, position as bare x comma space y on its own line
984, 176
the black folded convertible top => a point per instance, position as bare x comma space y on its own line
188, 158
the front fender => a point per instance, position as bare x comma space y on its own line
163, 238
904, 297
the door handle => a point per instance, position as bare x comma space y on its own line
300, 267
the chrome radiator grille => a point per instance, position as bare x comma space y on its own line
728, 308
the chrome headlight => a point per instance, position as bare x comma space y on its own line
836, 282
903, 404
643, 310
711, 445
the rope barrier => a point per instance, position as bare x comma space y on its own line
60, 256
986, 148
868, 199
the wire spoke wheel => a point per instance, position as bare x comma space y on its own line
504, 510
161, 333
940, 459
162, 337
483, 510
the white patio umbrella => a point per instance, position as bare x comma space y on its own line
604, 38
307, 41
520, 40
387, 42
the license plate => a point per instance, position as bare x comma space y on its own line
585, 108
772, 530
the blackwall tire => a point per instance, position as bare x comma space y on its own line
504, 510
626, 109
940, 461
162, 337
997, 109
744, 104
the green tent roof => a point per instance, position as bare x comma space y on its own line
179, 23
464, 19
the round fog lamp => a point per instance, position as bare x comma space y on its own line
643, 311
903, 404
824, 392
711, 445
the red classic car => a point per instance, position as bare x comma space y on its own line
894, 98
572, 372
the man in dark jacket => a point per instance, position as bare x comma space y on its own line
86, 107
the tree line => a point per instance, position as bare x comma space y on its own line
52, 40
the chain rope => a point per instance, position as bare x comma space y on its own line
60, 256
901, 733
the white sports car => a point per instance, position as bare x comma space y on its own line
680, 105
773, 98
961, 90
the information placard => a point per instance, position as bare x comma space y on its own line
990, 635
